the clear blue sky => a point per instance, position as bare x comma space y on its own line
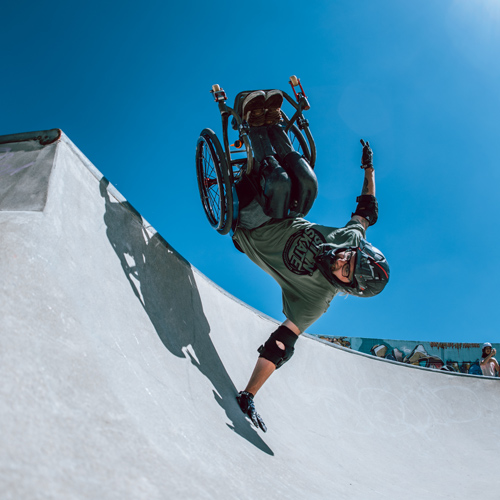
129, 83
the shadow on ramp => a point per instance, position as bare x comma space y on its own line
164, 284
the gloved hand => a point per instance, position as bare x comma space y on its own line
245, 400
367, 157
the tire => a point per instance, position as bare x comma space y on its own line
213, 181
299, 142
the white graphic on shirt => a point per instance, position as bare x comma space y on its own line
301, 250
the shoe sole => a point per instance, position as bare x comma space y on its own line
274, 99
253, 101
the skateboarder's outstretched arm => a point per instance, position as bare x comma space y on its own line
367, 210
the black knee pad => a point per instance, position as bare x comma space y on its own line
272, 352
304, 182
367, 208
276, 186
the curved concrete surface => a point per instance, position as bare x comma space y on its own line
120, 364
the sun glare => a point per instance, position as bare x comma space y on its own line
474, 28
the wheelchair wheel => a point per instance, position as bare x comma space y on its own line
304, 145
299, 142
213, 181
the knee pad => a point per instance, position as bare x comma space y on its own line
304, 182
276, 187
275, 354
367, 208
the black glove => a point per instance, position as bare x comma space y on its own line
367, 157
245, 400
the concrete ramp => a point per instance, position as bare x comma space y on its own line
120, 363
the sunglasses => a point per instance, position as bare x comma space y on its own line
346, 268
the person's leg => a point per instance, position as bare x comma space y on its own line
304, 180
272, 177
279, 140
274, 180
261, 143
304, 183
276, 188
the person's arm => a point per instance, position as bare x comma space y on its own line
292, 326
265, 368
369, 182
367, 211
497, 367
487, 358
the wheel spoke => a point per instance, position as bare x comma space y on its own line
210, 182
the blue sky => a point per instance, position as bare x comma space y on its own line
129, 83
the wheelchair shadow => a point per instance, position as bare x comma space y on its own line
163, 282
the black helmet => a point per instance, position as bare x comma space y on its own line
371, 272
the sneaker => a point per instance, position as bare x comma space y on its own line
253, 109
274, 100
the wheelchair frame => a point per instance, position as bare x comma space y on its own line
219, 169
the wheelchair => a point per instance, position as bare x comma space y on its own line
219, 169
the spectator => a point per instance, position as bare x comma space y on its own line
488, 364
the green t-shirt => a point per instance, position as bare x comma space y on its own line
286, 249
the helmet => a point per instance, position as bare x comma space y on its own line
371, 272
486, 344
